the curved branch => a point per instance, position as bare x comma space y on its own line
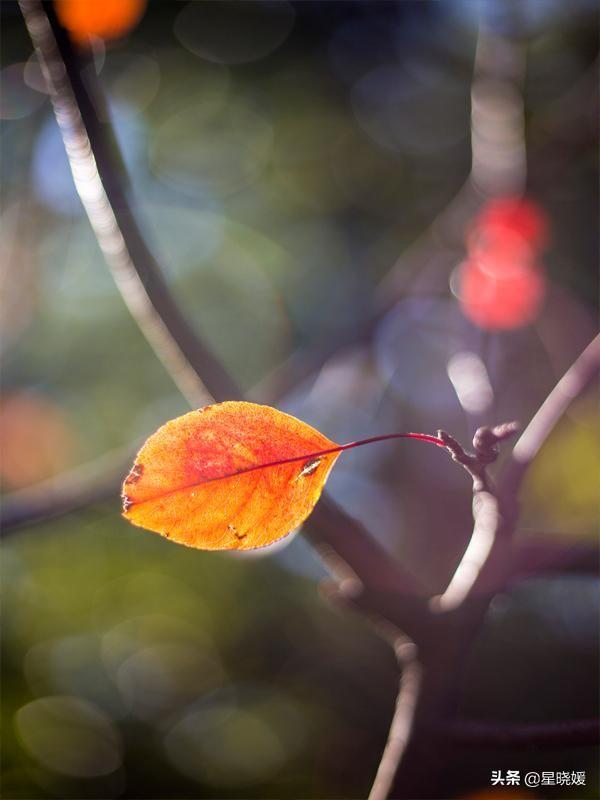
574, 382
402, 720
103, 196
486, 512
487, 520
485, 565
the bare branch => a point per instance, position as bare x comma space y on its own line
574, 382
336, 534
486, 512
485, 443
495, 513
93, 482
367, 579
580, 375
133, 266
402, 720
487, 520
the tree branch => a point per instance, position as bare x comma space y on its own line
485, 566
486, 512
574, 382
402, 720
486, 515
133, 266
93, 482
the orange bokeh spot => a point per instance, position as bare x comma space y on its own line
37, 440
496, 299
107, 19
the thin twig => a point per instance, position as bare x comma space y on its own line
574, 382
402, 720
496, 573
485, 444
495, 512
486, 512
93, 482
486, 517
133, 266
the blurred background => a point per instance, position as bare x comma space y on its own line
380, 216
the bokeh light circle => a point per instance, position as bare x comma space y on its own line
501, 301
234, 32
70, 736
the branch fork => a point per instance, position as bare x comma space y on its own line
485, 444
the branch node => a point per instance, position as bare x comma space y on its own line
469, 461
486, 440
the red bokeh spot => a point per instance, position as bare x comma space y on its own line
107, 19
501, 300
508, 220
502, 284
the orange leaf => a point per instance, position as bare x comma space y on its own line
230, 476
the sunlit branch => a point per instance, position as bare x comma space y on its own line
574, 382
486, 522
103, 196
498, 153
486, 512
485, 566
402, 720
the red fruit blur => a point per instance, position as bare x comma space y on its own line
508, 221
496, 299
502, 284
